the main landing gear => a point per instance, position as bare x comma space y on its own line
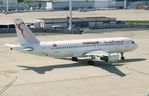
90, 62
122, 56
74, 59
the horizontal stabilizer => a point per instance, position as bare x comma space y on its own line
27, 49
11, 45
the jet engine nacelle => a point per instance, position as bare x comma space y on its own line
111, 58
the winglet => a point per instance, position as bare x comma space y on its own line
25, 36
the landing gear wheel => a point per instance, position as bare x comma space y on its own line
90, 62
106, 58
74, 59
122, 58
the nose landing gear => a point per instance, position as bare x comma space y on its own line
90, 62
122, 56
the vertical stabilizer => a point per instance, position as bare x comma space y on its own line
25, 36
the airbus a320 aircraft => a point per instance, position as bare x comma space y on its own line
106, 49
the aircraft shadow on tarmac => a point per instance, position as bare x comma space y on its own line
110, 67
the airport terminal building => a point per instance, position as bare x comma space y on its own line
76, 4
11, 3
90, 4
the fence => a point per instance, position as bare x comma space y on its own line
11, 28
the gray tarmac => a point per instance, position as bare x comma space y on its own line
30, 17
30, 75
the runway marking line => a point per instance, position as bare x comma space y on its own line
13, 79
137, 71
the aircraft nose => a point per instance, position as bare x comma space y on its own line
135, 45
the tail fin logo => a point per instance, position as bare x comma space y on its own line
19, 27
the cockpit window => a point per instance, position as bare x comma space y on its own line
132, 42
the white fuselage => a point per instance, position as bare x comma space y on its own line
77, 48
105, 48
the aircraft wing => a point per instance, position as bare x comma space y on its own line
98, 53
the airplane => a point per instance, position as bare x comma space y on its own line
106, 49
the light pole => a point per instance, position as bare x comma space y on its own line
125, 4
7, 5
70, 15
33, 3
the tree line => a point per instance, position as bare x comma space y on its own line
26, 1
